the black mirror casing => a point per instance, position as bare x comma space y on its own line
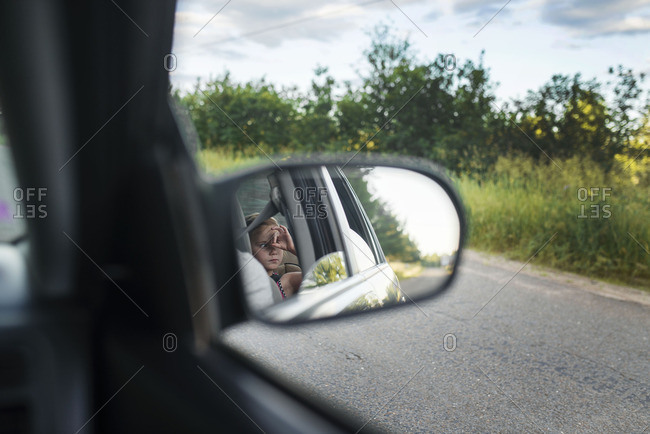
231, 290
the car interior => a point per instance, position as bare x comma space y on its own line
113, 292
263, 189
126, 255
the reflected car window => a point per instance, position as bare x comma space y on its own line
363, 239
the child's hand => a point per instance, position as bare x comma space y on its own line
282, 239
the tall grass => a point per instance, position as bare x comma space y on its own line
223, 160
575, 217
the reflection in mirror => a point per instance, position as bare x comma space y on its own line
318, 241
328, 269
416, 223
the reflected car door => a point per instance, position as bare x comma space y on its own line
363, 247
320, 207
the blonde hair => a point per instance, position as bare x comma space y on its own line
268, 222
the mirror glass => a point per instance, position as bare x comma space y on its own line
319, 241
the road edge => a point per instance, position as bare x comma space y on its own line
599, 287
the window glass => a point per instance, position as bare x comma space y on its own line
253, 194
363, 239
12, 209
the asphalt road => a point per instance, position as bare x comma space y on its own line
540, 354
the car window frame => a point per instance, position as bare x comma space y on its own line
360, 213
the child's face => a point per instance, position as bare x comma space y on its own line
269, 256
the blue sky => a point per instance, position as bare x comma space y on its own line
525, 41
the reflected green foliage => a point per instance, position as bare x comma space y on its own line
393, 294
365, 302
328, 269
406, 270
432, 260
370, 300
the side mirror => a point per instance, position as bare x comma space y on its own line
321, 240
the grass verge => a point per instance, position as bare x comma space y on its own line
574, 218
406, 270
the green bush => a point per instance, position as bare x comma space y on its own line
575, 216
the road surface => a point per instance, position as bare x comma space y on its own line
502, 351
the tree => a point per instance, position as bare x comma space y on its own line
629, 110
316, 125
434, 109
430, 109
471, 144
566, 117
401, 106
242, 117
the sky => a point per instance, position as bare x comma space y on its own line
433, 224
525, 41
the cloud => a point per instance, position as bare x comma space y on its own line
480, 8
479, 12
567, 45
594, 18
271, 23
433, 15
211, 36
582, 18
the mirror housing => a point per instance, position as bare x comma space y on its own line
350, 235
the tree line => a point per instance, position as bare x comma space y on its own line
435, 109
